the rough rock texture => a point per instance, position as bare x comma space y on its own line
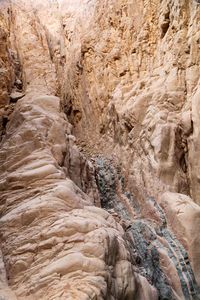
5, 63
53, 246
99, 107
165, 234
183, 218
138, 86
5, 72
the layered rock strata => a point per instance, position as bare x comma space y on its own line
54, 244
163, 234
125, 75
136, 81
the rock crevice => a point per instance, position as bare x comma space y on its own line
99, 156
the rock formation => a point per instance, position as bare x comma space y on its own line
99, 149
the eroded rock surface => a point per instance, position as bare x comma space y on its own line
139, 86
99, 108
163, 233
53, 245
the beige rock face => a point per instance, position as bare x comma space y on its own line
5, 71
5, 63
165, 234
140, 71
99, 107
183, 218
53, 245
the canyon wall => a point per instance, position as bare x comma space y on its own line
99, 156
137, 91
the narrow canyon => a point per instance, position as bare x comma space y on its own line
99, 149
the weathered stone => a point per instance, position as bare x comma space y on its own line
14, 96
126, 76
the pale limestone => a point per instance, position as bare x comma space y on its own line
56, 245
127, 75
183, 218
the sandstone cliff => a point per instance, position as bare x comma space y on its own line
99, 149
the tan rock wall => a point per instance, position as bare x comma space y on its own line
132, 88
6, 69
127, 75
5, 62
54, 243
